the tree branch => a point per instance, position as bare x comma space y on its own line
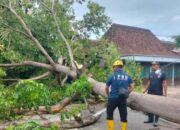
57, 67
64, 80
29, 33
53, 109
10, 80
33, 78
43, 76
63, 37
5, 6
28, 63
42, 2
10, 27
66, 70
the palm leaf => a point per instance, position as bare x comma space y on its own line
4, 33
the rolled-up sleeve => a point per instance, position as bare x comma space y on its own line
163, 76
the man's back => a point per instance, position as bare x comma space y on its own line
118, 79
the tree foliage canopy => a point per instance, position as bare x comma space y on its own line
41, 32
177, 40
17, 46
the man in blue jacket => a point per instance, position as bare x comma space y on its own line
117, 84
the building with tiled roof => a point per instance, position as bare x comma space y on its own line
144, 47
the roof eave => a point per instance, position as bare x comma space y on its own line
145, 58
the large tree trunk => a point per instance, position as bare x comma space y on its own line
98, 87
166, 107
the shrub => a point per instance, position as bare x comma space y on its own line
134, 69
31, 94
80, 86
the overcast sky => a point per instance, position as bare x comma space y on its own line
162, 17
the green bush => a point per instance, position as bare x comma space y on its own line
2, 73
81, 86
98, 73
31, 94
56, 94
7, 103
134, 69
27, 94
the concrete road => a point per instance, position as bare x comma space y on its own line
135, 122
136, 119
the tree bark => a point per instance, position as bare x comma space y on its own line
165, 107
98, 87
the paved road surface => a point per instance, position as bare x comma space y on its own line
135, 122
136, 119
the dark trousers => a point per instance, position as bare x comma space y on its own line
122, 107
153, 117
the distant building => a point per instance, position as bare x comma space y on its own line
144, 47
168, 45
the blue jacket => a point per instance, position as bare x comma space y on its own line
118, 79
156, 83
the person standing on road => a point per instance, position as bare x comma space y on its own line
157, 85
118, 87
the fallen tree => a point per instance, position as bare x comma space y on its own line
146, 103
165, 107
141, 102
61, 69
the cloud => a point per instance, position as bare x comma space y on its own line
166, 39
176, 18
162, 17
